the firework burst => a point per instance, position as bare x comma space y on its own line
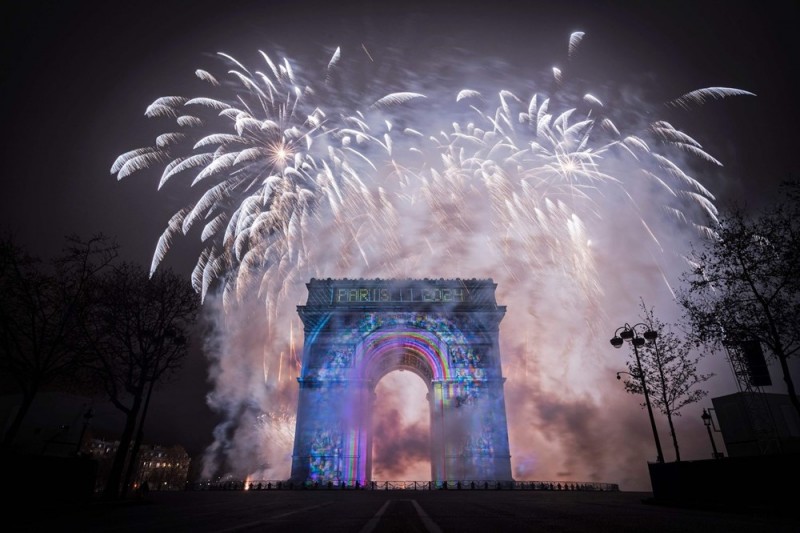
545, 170
276, 167
271, 164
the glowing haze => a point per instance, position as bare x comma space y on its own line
575, 202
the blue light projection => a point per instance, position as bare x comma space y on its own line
446, 331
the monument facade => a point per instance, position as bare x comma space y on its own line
357, 331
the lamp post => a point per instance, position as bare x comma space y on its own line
651, 335
706, 416
630, 334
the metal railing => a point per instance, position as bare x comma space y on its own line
261, 484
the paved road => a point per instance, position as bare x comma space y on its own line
390, 512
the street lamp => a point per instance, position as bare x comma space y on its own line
630, 334
706, 416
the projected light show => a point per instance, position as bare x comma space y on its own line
360, 167
351, 343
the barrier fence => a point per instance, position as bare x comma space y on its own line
403, 485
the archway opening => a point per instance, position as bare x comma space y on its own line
401, 428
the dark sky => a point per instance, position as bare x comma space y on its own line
77, 76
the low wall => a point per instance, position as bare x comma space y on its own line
759, 481
61, 479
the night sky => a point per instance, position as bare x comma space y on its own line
77, 76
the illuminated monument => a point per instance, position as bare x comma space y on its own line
357, 331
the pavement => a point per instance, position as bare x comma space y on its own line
388, 511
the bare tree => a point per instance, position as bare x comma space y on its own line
669, 370
137, 333
40, 305
744, 285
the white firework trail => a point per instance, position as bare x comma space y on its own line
543, 170
269, 159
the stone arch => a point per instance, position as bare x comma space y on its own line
411, 349
445, 331
401, 348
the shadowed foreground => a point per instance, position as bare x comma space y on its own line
391, 511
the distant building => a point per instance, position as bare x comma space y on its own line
164, 468
103, 452
757, 423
